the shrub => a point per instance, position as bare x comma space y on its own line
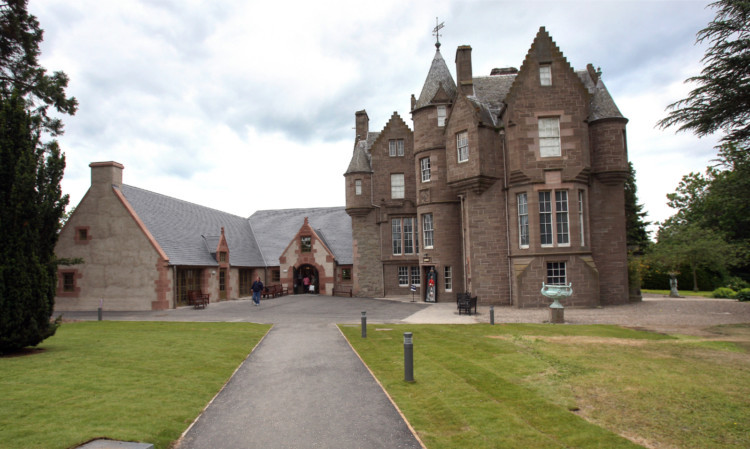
743, 295
736, 283
723, 292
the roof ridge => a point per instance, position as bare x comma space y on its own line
181, 201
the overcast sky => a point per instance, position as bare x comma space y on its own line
246, 105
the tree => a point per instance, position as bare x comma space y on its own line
722, 99
31, 200
20, 37
693, 246
635, 225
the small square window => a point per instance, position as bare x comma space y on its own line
346, 274
556, 273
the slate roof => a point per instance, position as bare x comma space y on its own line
439, 75
274, 229
189, 233
361, 157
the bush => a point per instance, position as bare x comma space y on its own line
723, 292
743, 295
736, 283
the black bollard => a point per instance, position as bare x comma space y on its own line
408, 357
492, 315
364, 324
101, 303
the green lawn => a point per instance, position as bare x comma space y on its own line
131, 381
565, 386
681, 292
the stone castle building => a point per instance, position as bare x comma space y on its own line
501, 183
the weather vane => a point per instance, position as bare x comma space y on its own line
436, 32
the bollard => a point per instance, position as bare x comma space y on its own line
492, 315
408, 357
100, 309
364, 324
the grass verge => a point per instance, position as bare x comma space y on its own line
130, 381
548, 386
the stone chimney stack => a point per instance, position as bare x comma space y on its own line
463, 70
363, 125
106, 174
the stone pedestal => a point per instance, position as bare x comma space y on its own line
556, 315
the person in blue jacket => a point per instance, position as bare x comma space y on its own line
257, 287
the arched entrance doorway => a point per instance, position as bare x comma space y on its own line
306, 271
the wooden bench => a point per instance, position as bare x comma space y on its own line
272, 291
465, 302
342, 292
197, 299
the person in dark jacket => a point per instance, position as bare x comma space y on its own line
257, 287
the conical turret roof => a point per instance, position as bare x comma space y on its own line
439, 77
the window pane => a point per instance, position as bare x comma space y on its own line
441, 115
415, 280
396, 235
580, 216
427, 230
403, 276
397, 186
396, 147
556, 273
561, 214
448, 276
424, 165
462, 143
408, 236
545, 218
523, 220
549, 137
545, 75
358, 187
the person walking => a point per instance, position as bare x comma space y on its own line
257, 287
306, 282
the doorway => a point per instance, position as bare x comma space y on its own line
306, 271
430, 283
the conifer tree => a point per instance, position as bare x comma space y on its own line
31, 200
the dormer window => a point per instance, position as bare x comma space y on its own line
222, 256
545, 74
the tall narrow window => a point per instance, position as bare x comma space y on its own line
448, 277
69, 282
427, 230
523, 220
424, 166
545, 218
462, 144
556, 273
415, 276
580, 217
396, 147
403, 276
441, 115
545, 74
397, 186
396, 235
306, 244
408, 236
549, 137
358, 187
561, 217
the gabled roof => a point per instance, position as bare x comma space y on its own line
439, 77
274, 229
188, 233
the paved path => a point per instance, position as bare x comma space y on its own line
302, 387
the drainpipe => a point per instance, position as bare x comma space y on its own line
463, 241
507, 217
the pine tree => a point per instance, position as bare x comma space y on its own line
31, 200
